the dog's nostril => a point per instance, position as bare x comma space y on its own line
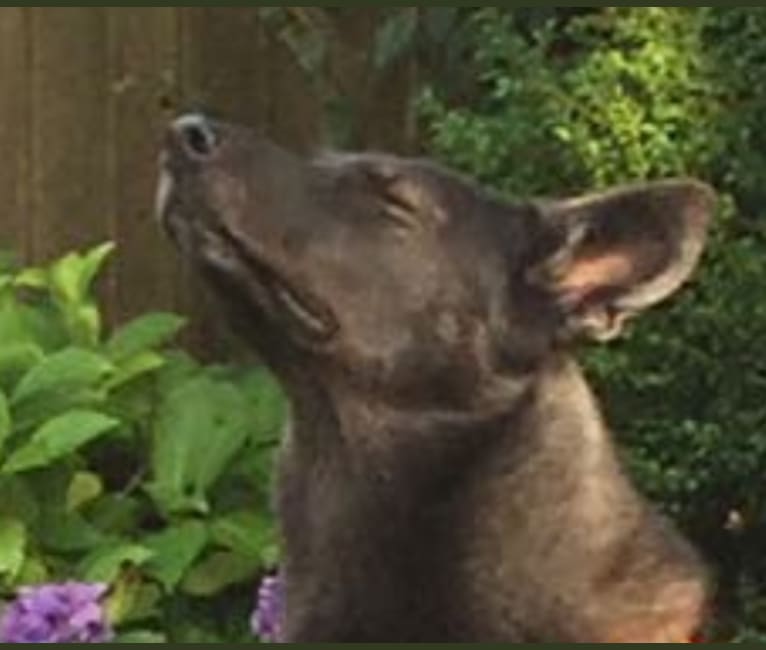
196, 134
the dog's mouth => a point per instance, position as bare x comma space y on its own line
224, 256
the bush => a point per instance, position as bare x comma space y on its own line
125, 462
620, 94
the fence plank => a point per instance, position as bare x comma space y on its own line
143, 86
69, 196
83, 95
14, 130
68, 83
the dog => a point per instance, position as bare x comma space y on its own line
447, 475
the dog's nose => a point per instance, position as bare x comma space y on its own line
195, 134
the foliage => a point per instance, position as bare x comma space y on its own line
125, 462
619, 94
314, 38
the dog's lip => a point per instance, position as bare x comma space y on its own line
316, 319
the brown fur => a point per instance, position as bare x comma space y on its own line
447, 475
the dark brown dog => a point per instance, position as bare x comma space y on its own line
448, 476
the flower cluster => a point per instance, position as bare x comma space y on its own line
267, 616
56, 613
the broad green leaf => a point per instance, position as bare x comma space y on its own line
31, 278
141, 636
173, 500
247, 534
15, 360
199, 427
5, 420
179, 368
32, 413
58, 437
72, 275
33, 571
18, 500
85, 487
92, 262
44, 325
115, 513
132, 599
66, 370
269, 406
134, 367
84, 324
66, 532
65, 278
144, 333
217, 572
175, 549
105, 563
13, 329
13, 540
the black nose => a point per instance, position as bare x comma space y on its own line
196, 134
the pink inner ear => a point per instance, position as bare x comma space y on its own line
590, 273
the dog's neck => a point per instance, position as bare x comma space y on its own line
508, 411
406, 496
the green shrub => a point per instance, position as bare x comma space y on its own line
622, 94
126, 462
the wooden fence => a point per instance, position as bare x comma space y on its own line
85, 94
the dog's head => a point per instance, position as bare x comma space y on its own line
396, 274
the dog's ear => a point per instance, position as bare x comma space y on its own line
604, 257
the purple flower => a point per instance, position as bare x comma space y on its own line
56, 613
266, 620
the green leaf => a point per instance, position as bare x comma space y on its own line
58, 437
64, 277
115, 513
144, 333
17, 500
13, 540
175, 549
72, 275
132, 599
105, 563
32, 413
141, 636
92, 262
85, 487
247, 534
134, 367
217, 572
33, 571
15, 360
84, 324
269, 406
66, 532
199, 428
31, 278
66, 370
13, 329
5, 420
